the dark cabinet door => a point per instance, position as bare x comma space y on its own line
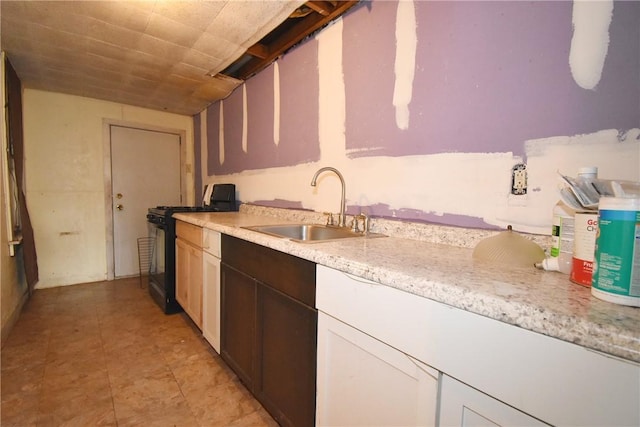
238, 323
285, 380
269, 327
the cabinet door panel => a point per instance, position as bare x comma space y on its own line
195, 285
364, 382
182, 273
287, 358
189, 279
211, 300
461, 405
238, 300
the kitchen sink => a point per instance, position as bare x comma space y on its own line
309, 233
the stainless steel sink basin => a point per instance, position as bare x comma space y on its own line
308, 233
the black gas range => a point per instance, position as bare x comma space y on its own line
162, 227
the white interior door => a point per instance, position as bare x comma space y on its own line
145, 172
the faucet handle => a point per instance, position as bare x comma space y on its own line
365, 223
354, 224
329, 218
355, 227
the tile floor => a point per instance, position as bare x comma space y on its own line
103, 354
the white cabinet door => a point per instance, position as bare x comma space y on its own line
461, 405
363, 382
553, 380
211, 300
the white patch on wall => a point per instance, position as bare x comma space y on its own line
204, 149
245, 118
468, 184
590, 41
221, 134
276, 103
405, 63
332, 111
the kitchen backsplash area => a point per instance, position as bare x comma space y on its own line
403, 229
428, 108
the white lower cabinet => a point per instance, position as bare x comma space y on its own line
211, 288
464, 406
371, 337
364, 382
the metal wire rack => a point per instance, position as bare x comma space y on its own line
146, 246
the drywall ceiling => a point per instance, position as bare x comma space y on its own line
163, 55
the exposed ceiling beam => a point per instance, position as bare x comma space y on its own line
259, 50
324, 8
296, 31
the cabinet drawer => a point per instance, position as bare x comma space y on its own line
288, 274
189, 232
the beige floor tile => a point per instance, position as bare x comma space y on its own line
20, 409
77, 346
198, 375
154, 398
103, 354
255, 419
58, 389
68, 368
76, 399
21, 379
223, 404
161, 413
22, 355
79, 410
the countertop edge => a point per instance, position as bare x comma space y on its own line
572, 329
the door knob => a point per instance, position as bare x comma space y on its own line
119, 207
119, 195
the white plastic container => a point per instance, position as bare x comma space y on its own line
588, 172
616, 273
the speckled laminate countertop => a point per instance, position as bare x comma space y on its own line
540, 301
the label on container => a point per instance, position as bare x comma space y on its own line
562, 235
618, 253
584, 245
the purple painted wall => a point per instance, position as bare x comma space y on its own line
489, 75
298, 118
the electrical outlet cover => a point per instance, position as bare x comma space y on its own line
519, 179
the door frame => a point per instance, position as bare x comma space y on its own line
108, 194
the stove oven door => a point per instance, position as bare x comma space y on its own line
157, 270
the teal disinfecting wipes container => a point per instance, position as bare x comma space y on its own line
616, 270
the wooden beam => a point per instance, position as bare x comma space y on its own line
304, 27
324, 8
259, 51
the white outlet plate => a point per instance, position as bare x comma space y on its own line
519, 179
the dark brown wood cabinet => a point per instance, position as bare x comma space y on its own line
269, 326
238, 322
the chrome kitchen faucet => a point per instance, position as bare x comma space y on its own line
342, 222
